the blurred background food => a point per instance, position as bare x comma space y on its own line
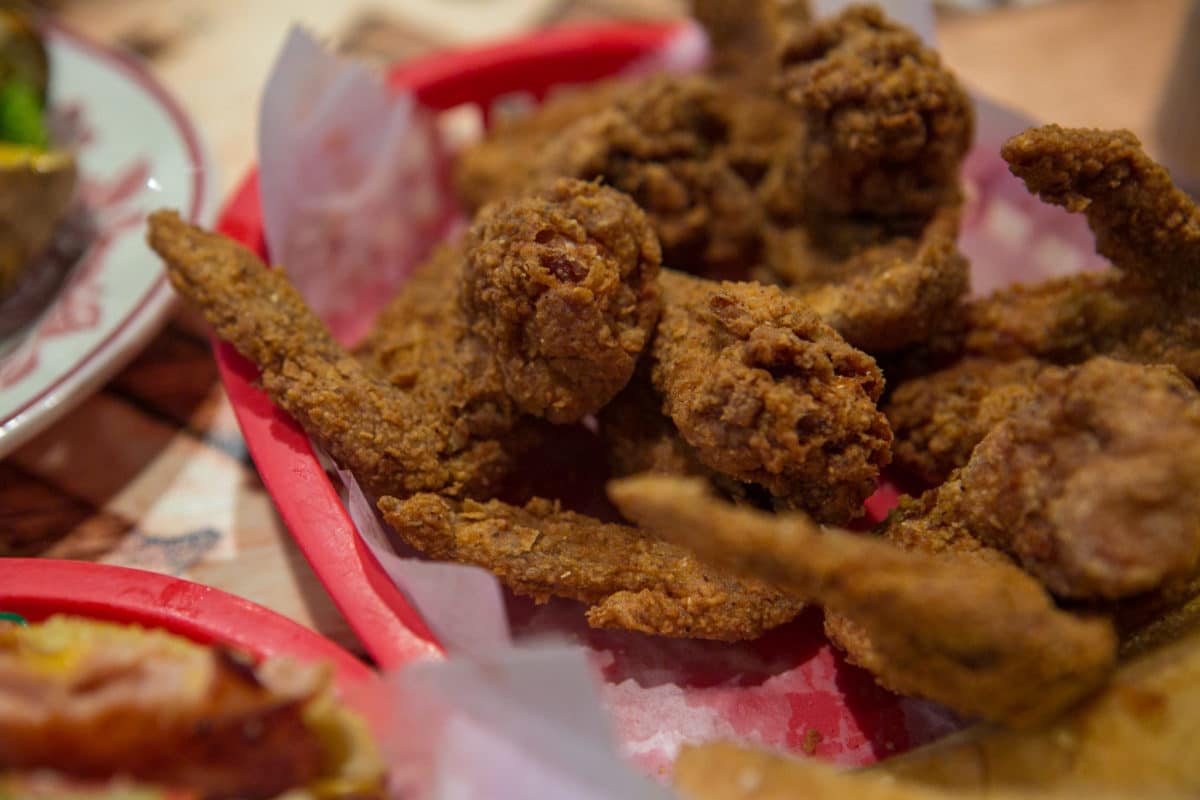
37, 181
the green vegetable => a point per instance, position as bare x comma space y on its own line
21, 117
8, 616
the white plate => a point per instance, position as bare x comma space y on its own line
140, 152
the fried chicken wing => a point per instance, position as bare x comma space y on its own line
765, 392
977, 635
628, 577
1091, 483
659, 141
1143, 223
887, 125
563, 285
439, 432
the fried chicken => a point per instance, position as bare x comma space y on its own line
1144, 310
977, 635
638, 437
1143, 223
439, 421
887, 125
564, 287
628, 577
938, 420
431, 405
659, 141
765, 392
1091, 483
1133, 738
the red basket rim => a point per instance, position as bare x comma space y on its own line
387, 624
36, 588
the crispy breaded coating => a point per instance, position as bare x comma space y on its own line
628, 577
1068, 320
499, 166
1143, 223
938, 419
765, 392
436, 433
882, 297
887, 124
977, 635
563, 285
1091, 484
658, 141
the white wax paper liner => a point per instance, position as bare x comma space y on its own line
353, 193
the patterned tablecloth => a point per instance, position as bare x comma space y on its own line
152, 471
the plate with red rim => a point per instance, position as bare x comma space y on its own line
37, 588
137, 151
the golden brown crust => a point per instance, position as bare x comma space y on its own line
976, 634
1090, 484
1143, 223
563, 286
659, 140
629, 577
887, 125
938, 419
767, 393
439, 421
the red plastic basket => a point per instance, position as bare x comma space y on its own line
390, 628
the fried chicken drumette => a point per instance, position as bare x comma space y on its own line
767, 393
887, 126
977, 635
564, 286
628, 577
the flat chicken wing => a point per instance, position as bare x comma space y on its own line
979, 636
628, 577
401, 435
1143, 223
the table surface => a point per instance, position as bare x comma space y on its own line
170, 487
